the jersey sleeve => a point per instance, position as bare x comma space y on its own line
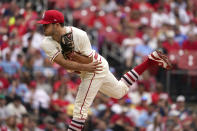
50, 49
85, 46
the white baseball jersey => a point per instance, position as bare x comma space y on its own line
91, 83
82, 45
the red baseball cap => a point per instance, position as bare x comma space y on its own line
51, 16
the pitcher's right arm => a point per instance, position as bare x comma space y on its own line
72, 65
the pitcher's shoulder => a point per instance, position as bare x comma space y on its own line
48, 42
47, 39
77, 30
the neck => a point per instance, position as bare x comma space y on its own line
57, 35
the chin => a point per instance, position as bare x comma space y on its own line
46, 34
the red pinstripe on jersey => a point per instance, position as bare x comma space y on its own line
86, 94
96, 55
55, 55
90, 54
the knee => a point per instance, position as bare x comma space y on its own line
124, 90
119, 96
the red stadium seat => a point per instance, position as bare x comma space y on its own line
188, 60
174, 56
108, 33
112, 20
83, 15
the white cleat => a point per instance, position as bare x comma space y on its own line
160, 59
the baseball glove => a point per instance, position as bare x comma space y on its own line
67, 44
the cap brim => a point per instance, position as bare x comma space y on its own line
43, 22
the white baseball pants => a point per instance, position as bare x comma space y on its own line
89, 87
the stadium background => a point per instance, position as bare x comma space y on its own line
37, 95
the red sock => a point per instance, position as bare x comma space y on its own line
132, 76
143, 66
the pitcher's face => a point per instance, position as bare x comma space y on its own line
48, 29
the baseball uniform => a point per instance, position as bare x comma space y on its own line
91, 83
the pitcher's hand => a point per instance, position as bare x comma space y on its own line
93, 67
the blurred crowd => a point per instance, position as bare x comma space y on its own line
37, 95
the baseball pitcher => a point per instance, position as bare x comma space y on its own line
70, 47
